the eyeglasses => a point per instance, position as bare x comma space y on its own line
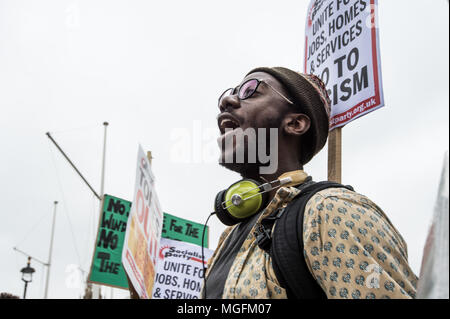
247, 89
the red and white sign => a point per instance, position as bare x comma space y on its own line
144, 228
179, 270
342, 48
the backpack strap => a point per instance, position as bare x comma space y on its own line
285, 245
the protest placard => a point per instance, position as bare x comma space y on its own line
183, 230
434, 272
106, 267
144, 231
342, 48
179, 270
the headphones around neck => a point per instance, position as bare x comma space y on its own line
246, 197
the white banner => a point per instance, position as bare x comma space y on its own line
434, 273
143, 230
179, 270
342, 48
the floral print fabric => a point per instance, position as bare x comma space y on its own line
350, 246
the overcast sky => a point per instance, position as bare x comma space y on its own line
154, 70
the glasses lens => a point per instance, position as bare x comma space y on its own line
247, 89
225, 94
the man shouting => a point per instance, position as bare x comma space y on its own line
291, 237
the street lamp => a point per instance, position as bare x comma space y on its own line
27, 276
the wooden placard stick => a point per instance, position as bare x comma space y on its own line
149, 156
335, 155
133, 293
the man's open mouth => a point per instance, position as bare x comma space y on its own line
227, 122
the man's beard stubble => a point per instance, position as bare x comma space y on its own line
250, 165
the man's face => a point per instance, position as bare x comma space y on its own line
263, 110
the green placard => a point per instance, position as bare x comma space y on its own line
106, 267
184, 230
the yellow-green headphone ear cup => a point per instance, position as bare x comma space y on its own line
223, 214
252, 199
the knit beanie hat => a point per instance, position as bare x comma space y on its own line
310, 96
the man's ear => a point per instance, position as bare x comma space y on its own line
296, 124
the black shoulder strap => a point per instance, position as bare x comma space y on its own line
287, 248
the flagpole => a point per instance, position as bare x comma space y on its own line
47, 280
96, 289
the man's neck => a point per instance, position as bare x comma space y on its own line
283, 167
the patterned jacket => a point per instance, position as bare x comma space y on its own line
350, 246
